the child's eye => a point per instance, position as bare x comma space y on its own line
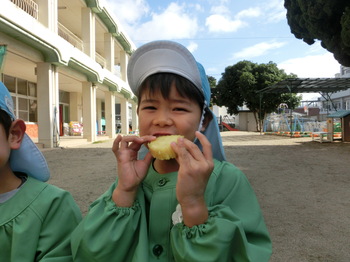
149, 108
180, 109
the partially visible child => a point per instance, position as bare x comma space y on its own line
36, 219
196, 207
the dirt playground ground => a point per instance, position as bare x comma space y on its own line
303, 188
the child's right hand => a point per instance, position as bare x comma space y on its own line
131, 171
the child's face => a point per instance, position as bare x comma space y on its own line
5, 149
175, 116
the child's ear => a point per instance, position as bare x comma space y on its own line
17, 131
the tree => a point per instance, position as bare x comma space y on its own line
212, 81
239, 85
324, 20
212, 84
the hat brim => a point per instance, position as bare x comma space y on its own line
29, 159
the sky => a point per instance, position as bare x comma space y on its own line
220, 33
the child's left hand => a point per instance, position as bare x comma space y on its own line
193, 175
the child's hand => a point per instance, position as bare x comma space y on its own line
131, 171
193, 175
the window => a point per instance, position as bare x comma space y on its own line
22, 87
33, 112
347, 105
10, 83
23, 109
32, 89
24, 95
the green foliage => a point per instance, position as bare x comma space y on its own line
212, 84
212, 81
292, 101
239, 85
324, 20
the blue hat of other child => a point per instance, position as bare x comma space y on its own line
28, 158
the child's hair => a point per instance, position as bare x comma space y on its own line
5, 121
162, 82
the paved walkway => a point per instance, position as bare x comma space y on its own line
75, 141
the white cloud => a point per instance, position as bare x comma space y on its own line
198, 8
172, 23
257, 50
250, 12
220, 19
219, 10
276, 16
220, 23
275, 11
312, 66
129, 12
192, 47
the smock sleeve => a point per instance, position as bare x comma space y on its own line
235, 229
58, 222
107, 232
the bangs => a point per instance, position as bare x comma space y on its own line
162, 82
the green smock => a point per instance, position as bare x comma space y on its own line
36, 223
234, 231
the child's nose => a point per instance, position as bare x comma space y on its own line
162, 119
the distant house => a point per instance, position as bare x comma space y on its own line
310, 112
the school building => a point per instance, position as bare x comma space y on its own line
65, 64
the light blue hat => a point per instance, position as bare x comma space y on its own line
28, 158
171, 57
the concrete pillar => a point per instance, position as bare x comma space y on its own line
124, 112
135, 120
99, 115
88, 32
89, 111
109, 51
110, 114
123, 65
48, 15
48, 105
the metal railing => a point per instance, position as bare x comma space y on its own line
70, 37
28, 6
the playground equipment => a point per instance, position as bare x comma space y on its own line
227, 123
290, 122
228, 127
294, 125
